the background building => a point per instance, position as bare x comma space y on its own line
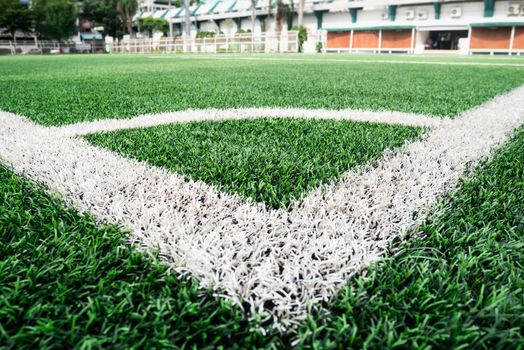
417, 26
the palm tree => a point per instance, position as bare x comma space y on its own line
187, 4
170, 19
253, 15
127, 9
280, 15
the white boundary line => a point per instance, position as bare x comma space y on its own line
290, 259
149, 120
341, 60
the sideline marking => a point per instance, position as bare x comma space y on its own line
149, 120
451, 63
292, 258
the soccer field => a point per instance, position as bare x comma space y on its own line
261, 201
63, 90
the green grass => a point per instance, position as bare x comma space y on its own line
269, 160
62, 90
65, 282
458, 284
68, 283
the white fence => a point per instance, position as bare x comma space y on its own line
245, 42
20, 46
47, 46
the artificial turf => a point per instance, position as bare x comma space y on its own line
67, 283
270, 160
458, 283
62, 90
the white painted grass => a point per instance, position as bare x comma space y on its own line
290, 259
149, 120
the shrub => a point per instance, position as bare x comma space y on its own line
205, 34
302, 36
319, 47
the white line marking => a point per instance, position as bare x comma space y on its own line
290, 259
340, 60
145, 121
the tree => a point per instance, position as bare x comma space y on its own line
150, 24
127, 9
104, 13
15, 17
55, 19
302, 36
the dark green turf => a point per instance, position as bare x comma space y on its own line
458, 284
66, 283
66, 89
269, 160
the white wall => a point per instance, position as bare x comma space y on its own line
370, 17
336, 20
246, 24
310, 22
401, 18
420, 41
471, 12
229, 27
208, 26
501, 10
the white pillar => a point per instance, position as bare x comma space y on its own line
379, 40
469, 40
511, 39
413, 33
351, 41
